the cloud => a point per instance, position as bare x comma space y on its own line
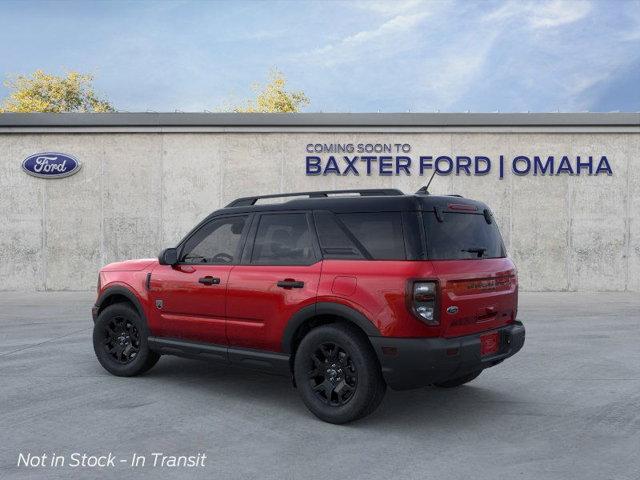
453, 68
632, 14
450, 74
541, 15
568, 68
391, 37
513, 56
558, 12
388, 8
357, 56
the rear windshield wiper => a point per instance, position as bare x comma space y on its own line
479, 250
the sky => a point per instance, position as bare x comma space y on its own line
356, 56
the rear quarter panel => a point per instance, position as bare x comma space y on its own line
378, 290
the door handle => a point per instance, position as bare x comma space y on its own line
290, 283
487, 313
209, 280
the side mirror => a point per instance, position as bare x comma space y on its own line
168, 256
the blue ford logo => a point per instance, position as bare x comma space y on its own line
51, 165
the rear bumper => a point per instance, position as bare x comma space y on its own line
417, 362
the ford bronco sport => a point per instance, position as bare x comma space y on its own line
346, 291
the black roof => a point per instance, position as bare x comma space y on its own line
368, 201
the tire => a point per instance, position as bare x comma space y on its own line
456, 382
337, 374
120, 341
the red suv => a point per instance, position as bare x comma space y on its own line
346, 291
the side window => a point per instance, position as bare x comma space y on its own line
215, 243
283, 239
335, 242
380, 233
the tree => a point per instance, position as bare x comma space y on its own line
274, 98
42, 92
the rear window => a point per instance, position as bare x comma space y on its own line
462, 236
376, 236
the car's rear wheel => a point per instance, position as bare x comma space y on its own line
337, 374
120, 341
456, 382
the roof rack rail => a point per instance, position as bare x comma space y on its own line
248, 201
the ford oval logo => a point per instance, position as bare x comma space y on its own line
51, 165
452, 310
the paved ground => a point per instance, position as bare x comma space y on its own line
566, 407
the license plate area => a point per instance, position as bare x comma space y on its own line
489, 344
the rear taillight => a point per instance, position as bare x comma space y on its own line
423, 302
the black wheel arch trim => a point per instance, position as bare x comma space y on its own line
325, 308
119, 290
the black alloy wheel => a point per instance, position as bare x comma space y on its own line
337, 373
333, 375
121, 340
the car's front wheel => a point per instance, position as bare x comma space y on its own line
120, 341
337, 374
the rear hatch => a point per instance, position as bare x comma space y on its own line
478, 283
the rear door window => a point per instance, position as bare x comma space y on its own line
461, 236
283, 239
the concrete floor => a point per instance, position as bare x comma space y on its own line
566, 407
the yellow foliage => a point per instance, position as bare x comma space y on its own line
273, 98
42, 92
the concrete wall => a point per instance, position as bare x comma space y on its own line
139, 192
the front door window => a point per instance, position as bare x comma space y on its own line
216, 243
